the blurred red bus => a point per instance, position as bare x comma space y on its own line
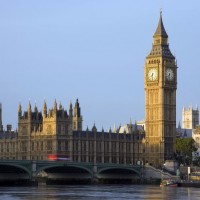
55, 157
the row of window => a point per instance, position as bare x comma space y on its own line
102, 146
106, 159
154, 61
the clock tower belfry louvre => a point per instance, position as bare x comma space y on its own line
160, 83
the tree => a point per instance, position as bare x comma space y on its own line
184, 149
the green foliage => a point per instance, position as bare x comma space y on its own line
184, 149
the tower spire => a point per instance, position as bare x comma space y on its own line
77, 110
160, 41
70, 110
19, 110
29, 106
160, 31
29, 110
45, 108
55, 106
35, 108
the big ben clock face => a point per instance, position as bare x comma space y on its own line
169, 74
153, 74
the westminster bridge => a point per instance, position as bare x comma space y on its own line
26, 170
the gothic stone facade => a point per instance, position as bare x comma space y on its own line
57, 132
41, 134
190, 118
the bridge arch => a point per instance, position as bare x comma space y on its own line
119, 168
64, 166
118, 174
10, 171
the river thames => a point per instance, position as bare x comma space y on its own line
98, 192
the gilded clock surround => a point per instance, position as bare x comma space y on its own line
169, 74
153, 74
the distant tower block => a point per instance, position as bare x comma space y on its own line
190, 118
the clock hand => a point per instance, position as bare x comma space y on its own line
152, 76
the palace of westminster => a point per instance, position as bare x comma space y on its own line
59, 132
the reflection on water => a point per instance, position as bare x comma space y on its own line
104, 192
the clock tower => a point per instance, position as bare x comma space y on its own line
160, 83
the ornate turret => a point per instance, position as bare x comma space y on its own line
135, 128
19, 110
70, 110
114, 129
130, 126
35, 108
60, 106
77, 118
55, 106
77, 110
45, 109
190, 117
29, 109
94, 128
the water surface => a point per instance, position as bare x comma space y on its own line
104, 192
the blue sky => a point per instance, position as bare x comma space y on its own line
93, 50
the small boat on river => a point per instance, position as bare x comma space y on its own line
168, 183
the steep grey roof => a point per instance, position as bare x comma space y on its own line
161, 50
160, 29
